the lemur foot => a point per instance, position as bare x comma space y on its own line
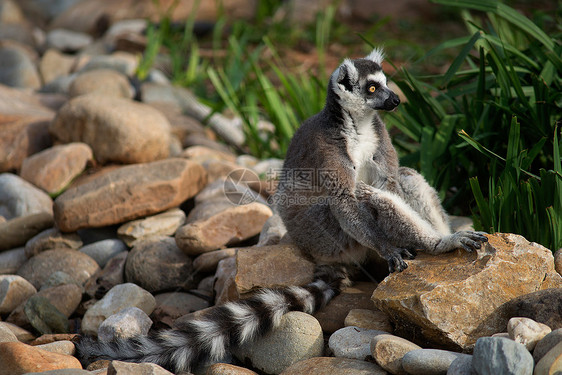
467, 240
396, 260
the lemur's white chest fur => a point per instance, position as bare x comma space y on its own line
362, 143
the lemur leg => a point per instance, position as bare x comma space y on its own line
423, 199
405, 228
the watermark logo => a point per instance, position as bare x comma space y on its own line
242, 186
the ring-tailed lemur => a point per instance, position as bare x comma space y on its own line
341, 195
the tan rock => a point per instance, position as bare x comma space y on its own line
217, 169
61, 347
54, 64
53, 337
526, 331
450, 299
207, 262
202, 153
54, 168
339, 366
13, 291
164, 224
226, 228
228, 369
21, 136
117, 129
23, 103
126, 368
358, 296
22, 335
128, 193
107, 82
368, 319
388, 351
6, 334
271, 267
551, 363
20, 358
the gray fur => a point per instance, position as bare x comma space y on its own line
364, 202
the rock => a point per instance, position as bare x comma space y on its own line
61, 347
42, 12
298, 337
226, 228
551, 362
19, 198
6, 334
208, 262
118, 298
63, 298
462, 365
496, 355
357, 296
51, 338
227, 369
157, 264
388, 351
18, 231
51, 239
44, 317
13, 291
16, 104
103, 251
20, 358
139, 133
268, 167
128, 193
546, 343
18, 68
126, 368
368, 319
54, 65
171, 306
543, 306
205, 286
558, 261
225, 282
11, 260
21, 334
340, 366
106, 82
59, 278
129, 322
526, 331
450, 300
67, 40
271, 267
112, 274
54, 168
227, 129
352, 342
164, 224
38, 269
273, 231
122, 62
203, 153
429, 361
21, 135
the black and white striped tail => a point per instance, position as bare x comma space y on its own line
207, 339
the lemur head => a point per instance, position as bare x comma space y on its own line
360, 84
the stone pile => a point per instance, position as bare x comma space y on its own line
121, 213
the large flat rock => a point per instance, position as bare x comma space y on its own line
452, 299
128, 193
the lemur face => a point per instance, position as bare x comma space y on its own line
362, 85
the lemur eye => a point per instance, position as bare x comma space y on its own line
372, 88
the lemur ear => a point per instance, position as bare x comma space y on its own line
376, 56
347, 75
